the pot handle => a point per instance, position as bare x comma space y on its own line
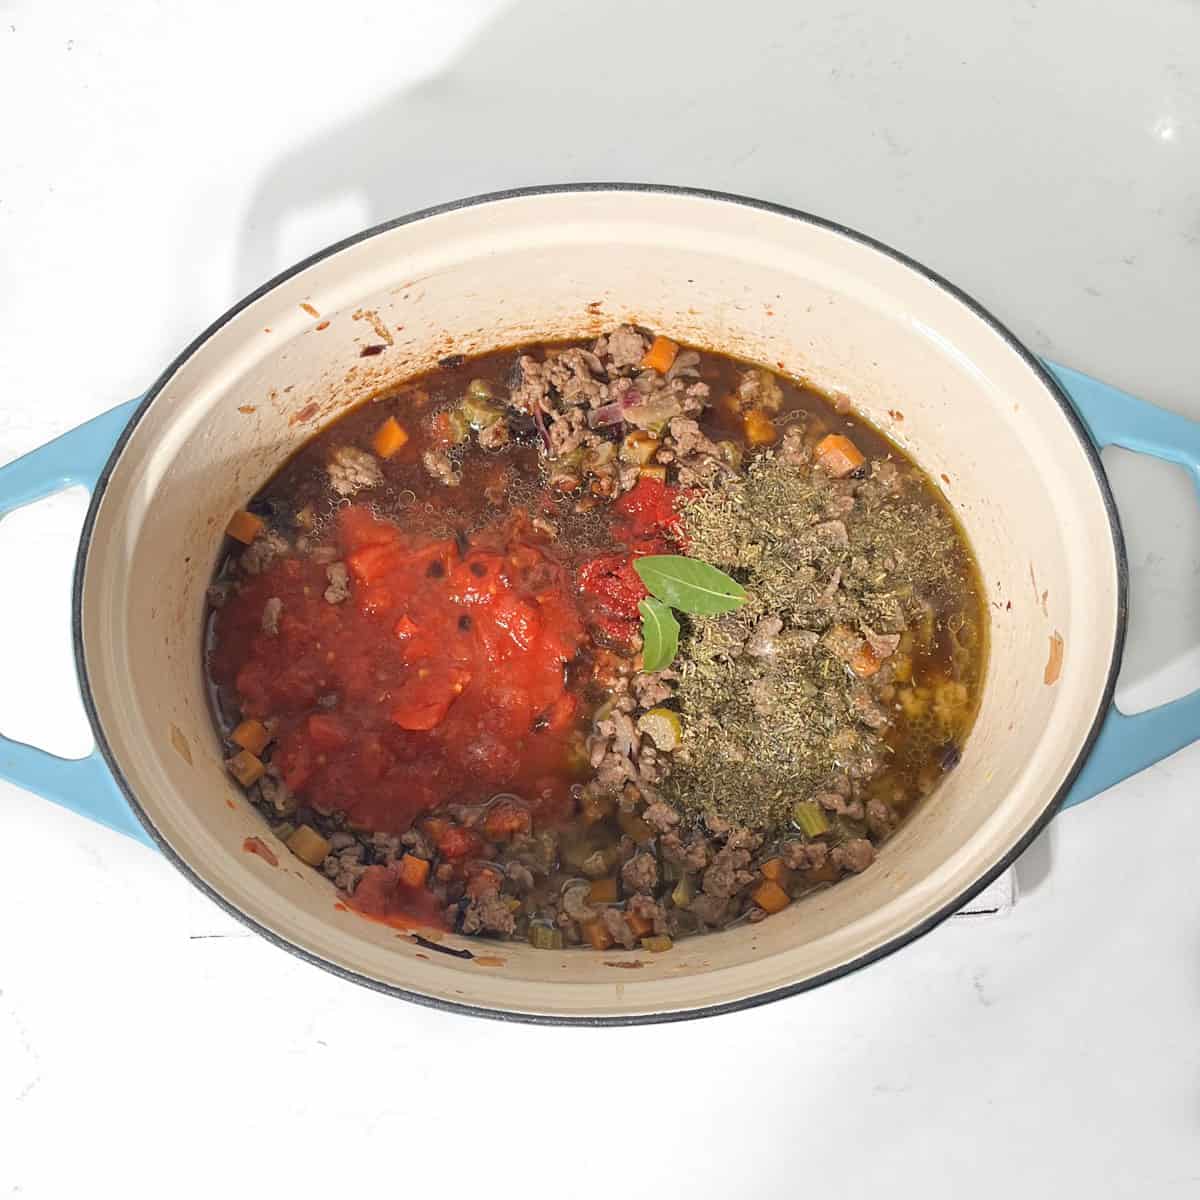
83, 785
1127, 744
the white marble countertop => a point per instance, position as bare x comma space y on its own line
159, 159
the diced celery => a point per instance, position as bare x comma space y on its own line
639, 447
307, 844
810, 818
545, 937
663, 727
480, 414
458, 425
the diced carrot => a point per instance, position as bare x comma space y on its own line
389, 438
597, 934
246, 768
865, 661
251, 735
245, 526
602, 891
838, 455
776, 870
759, 428
660, 356
640, 925
505, 820
413, 871
770, 897
435, 827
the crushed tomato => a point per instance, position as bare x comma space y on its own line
646, 519
448, 670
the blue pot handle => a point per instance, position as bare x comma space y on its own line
1127, 745
83, 785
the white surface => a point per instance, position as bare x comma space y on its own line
158, 160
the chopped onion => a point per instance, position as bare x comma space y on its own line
539, 420
608, 414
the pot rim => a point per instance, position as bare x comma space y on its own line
888, 947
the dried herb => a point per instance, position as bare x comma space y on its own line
770, 714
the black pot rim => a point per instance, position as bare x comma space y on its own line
1053, 388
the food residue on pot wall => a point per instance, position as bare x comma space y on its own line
1055, 661
180, 742
255, 845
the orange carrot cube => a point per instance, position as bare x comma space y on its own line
413, 871
245, 526
390, 437
597, 934
246, 768
602, 891
775, 870
759, 428
660, 356
838, 455
640, 925
252, 736
770, 897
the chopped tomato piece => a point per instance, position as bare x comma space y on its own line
611, 579
618, 632
649, 507
372, 563
505, 819
478, 578
405, 627
562, 712
375, 600
359, 527
428, 697
519, 619
457, 842
327, 732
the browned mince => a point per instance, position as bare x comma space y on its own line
654, 841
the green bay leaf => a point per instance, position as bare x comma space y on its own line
660, 635
689, 585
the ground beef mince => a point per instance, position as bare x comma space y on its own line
427, 652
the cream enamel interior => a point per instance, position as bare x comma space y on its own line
914, 359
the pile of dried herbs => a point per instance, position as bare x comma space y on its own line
770, 719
